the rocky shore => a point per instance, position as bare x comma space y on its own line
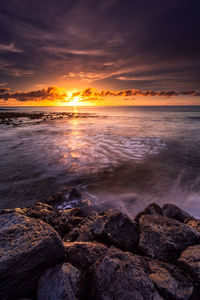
19, 118
85, 253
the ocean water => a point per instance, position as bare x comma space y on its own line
120, 157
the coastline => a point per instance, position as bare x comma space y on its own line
84, 253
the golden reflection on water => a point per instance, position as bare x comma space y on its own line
73, 147
75, 111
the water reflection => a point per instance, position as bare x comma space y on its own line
119, 157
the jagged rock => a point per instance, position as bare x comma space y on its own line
122, 277
190, 261
62, 282
82, 232
194, 224
151, 209
44, 212
174, 212
27, 248
164, 238
170, 281
47, 214
115, 228
83, 254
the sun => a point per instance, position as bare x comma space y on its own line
75, 101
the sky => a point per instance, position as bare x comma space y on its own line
126, 52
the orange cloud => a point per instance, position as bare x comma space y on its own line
89, 94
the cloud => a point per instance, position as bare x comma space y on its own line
88, 38
3, 84
89, 94
64, 50
50, 93
10, 48
136, 92
9, 68
4, 90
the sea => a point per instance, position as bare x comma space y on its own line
119, 157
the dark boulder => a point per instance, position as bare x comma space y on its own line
190, 261
43, 212
171, 282
164, 238
174, 212
62, 282
194, 224
115, 228
122, 277
49, 215
151, 209
84, 254
27, 248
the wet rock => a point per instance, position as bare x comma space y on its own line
194, 224
44, 212
82, 232
27, 248
62, 282
164, 238
47, 214
122, 277
151, 209
65, 195
190, 261
174, 212
115, 228
72, 217
84, 254
170, 281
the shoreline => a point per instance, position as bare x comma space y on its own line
84, 253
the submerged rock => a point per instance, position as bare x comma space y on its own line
164, 238
174, 212
190, 261
115, 228
27, 248
62, 282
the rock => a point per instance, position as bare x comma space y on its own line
190, 261
115, 228
170, 281
27, 248
65, 195
151, 209
84, 254
174, 212
194, 224
122, 277
72, 217
44, 212
62, 282
82, 232
164, 238
49, 215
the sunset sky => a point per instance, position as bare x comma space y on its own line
105, 52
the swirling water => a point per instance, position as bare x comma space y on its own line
121, 157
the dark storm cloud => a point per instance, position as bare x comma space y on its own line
4, 90
130, 44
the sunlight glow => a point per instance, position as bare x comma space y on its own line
75, 101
